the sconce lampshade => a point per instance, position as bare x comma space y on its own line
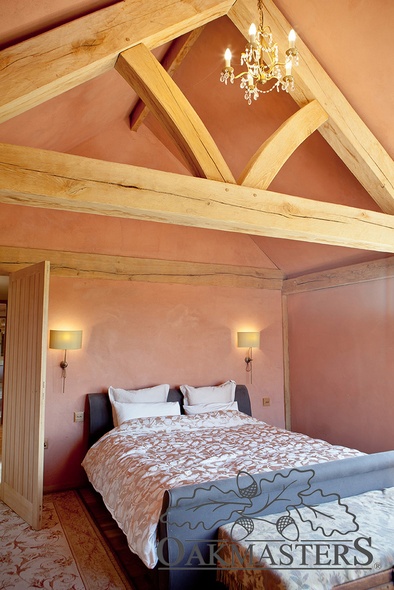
65, 339
248, 339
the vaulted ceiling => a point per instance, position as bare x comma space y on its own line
71, 72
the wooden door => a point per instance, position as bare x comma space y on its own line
24, 392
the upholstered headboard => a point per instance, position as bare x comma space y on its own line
100, 412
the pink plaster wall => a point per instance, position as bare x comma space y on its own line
78, 232
139, 334
341, 364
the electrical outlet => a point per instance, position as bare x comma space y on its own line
45, 443
78, 416
266, 401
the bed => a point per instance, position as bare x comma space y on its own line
181, 498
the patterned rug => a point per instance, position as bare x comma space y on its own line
68, 553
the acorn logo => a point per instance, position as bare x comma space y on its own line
242, 528
287, 527
249, 487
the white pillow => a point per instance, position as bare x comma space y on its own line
219, 394
130, 411
205, 408
156, 394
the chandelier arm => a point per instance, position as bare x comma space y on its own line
266, 30
240, 75
274, 65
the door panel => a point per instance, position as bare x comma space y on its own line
24, 392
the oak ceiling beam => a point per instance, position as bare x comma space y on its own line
126, 268
277, 149
156, 88
173, 58
44, 66
340, 277
346, 133
40, 178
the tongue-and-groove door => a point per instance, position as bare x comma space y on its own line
24, 392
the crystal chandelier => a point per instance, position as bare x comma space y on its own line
261, 59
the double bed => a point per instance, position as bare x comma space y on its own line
177, 484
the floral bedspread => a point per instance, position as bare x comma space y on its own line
133, 464
342, 541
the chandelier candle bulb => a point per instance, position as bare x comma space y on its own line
227, 58
252, 33
292, 39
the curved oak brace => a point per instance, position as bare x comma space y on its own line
163, 97
176, 53
275, 151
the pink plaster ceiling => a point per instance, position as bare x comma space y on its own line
351, 38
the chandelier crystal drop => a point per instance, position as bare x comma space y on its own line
261, 58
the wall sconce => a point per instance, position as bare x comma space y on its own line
65, 340
248, 340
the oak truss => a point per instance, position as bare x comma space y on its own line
122, 36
